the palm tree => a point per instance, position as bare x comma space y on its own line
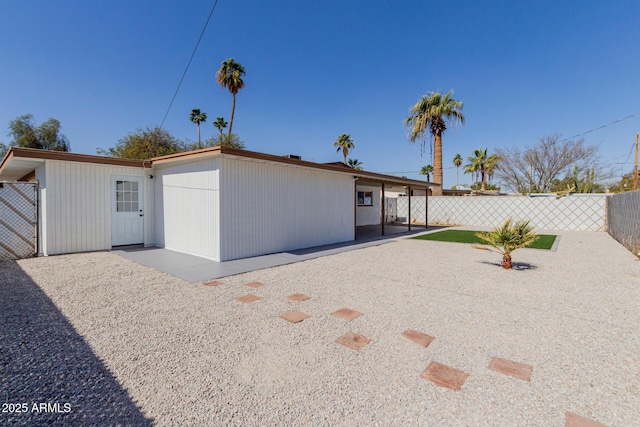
197, 117
457, 161
426, 170
355, 164
508, 238
481, 164
430, 113
220, 124
344, 143
229, 76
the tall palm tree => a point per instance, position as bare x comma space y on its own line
426, 170
355, 164
430, 113
229, 76
198, 117
220, 124
457, 161
344, 143
481, 164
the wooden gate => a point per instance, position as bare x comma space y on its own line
18, 220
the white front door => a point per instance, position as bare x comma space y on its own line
127, 214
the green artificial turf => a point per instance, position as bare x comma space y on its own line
545, 241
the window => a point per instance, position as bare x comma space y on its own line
365, 198
126, 196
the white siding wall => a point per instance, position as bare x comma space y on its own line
187, 212
267, 208
77, 205
369, 215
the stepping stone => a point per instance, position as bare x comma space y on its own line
353, 341
298, 297
347, 314
294, 316
573, 420
212, 283
416, 337
444, 376
513, 369
254, 284
248, 298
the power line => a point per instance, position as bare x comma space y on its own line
601, 127
189, 63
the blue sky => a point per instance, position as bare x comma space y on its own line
316, 70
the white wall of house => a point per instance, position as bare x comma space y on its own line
369, 215
273, 207
75, 205
187, 207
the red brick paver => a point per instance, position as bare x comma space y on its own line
444, 376
248, 298
573, 420
418, 338
294, 316
347, 314
212, 283
513, 369
254, 284
353, 341
298, 297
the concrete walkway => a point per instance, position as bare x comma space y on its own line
195, 269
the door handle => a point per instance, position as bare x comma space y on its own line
141, 214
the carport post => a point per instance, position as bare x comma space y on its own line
355, 208
409, 214
382, 209
426, 207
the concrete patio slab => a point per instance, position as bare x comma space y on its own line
195, 269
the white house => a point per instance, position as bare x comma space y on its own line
217, 203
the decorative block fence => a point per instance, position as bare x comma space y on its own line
577, 212
623, 212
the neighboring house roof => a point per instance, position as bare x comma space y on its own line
19, 163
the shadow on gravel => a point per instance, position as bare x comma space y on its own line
44, 361
514, 265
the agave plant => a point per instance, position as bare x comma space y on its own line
508, 238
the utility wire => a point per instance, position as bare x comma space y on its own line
189, 63
601, 127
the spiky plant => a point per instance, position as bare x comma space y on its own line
508, 238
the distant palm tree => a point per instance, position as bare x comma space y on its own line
457, 161
220, 124
355, 164
427, 170
229, 76
430, 112
344, 143
480, 164
197, 117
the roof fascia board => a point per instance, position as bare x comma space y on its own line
30, 153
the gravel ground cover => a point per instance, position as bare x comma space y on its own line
125, 344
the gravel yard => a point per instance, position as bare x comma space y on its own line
121, 343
